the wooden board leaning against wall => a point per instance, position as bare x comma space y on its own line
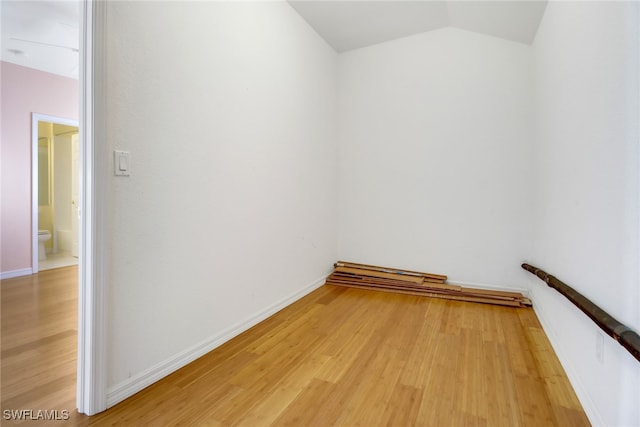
410, 282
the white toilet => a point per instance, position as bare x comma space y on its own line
43, 236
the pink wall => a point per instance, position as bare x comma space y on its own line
24, 91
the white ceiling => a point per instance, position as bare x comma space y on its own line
44, 34
349, 24
41, 34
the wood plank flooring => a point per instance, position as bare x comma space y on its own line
339, 356
39, 341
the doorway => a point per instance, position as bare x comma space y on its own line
89, 56
56, 200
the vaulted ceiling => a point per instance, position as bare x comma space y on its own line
347, 24
44, 34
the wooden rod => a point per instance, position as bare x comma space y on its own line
625, 336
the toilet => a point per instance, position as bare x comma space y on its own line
43, 236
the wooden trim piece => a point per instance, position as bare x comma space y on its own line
390, 270
432, 294
379, 274
492, 292
624, 335
386, 279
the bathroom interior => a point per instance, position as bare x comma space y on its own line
57, 195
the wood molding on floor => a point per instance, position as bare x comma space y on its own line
338, 356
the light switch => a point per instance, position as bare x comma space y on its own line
122, 162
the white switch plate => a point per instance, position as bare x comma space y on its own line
121, 163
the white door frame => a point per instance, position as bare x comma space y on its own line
91, 382
35, 118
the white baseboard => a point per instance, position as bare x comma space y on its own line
144, 379
477, 285
15, 273
589, 406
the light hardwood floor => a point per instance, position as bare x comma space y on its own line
339, 356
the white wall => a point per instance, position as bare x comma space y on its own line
228, 110
586, 204
434, 157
